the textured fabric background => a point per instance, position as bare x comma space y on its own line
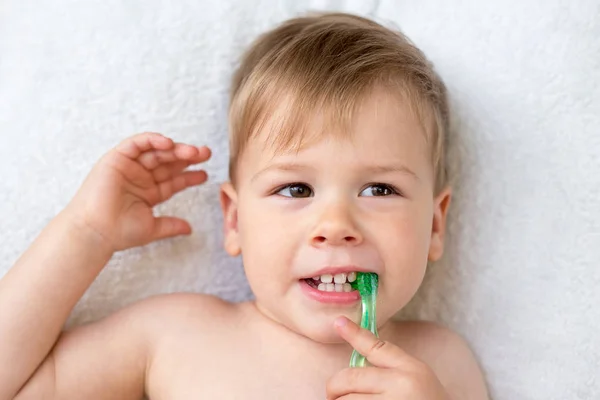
520, 276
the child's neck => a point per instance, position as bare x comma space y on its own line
281, 336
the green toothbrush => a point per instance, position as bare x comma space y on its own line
366, 284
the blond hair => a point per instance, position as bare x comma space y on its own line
325, 64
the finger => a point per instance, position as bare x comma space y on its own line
368, 380
180, 182
168, 171
135, 145
379, 353
189, 152
153, 159
166, 227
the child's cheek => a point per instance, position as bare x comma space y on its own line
266, 246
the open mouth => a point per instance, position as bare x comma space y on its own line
333, 283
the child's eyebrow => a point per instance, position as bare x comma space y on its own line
375, 169
391, 168
282, 166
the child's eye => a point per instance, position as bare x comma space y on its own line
379, 189
297, 190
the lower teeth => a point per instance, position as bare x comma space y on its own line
330, 287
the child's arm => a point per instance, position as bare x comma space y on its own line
112, 211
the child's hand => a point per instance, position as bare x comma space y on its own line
394, 374
117, 197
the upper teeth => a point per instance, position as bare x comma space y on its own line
340, 278
335, 283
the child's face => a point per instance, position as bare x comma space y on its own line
362, 203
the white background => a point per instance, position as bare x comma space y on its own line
520, 278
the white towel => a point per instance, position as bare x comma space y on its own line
519, 279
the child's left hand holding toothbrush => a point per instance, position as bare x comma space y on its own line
394, 374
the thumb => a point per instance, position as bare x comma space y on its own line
165, 227
379, 353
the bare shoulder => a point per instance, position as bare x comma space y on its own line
186, 332
446, 353
182, 307
173, 316
111, 358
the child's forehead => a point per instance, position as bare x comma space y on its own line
340, 158
381, 136
288, 127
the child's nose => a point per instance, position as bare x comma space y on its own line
336, 227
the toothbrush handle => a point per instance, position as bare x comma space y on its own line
368, 321
357, 360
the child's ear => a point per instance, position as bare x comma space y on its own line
229, 207
438, 229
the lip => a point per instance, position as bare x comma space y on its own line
338, 270
342, 298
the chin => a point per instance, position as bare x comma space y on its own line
321, 329
321, 334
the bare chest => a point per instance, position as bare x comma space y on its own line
247, 362
248, 375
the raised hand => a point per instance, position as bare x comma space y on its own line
117, 198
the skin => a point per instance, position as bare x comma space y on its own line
283, 345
